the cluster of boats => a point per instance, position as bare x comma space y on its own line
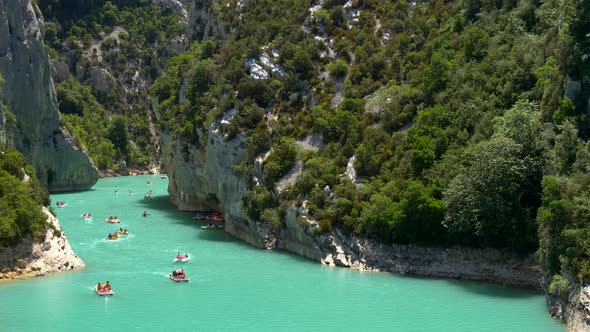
215, 219
115, 235
178, 274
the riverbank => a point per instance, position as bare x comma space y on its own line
363, 254
30, 258
123, 170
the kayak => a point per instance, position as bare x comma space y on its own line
181, 260
112, 221
123, 233
112, 238
178, 279
103, 292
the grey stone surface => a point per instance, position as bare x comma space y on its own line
30, 95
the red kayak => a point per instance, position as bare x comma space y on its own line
178, 278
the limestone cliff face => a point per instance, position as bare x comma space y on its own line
199, 174
30, 95
50, 254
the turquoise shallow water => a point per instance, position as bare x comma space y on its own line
234, 286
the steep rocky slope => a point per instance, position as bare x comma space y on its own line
29, 93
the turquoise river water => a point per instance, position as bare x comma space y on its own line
233, 287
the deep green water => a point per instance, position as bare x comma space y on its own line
234, 287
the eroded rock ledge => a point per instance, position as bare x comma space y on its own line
30, 258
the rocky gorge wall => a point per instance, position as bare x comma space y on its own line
29, 94
198, 175
197, 172
30, 258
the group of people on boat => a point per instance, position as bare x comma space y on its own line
123, 231
86, 215
112, 219
179, 274
112, 236
106, 288
179, 256
60, 204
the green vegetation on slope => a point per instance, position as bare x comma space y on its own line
445, 108
20, 200
454, 111
131, 40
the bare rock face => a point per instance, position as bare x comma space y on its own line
50, 254
101, 81
202, 178
574, 310
28, 91
59, 70
203, 21
175, 5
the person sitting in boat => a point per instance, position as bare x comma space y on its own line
186, 255
145, 213
121, 230
179, 256
107, 286
99, 287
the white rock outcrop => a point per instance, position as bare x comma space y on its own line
50, 254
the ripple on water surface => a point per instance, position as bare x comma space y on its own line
233, 286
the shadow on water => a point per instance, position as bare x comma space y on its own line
160, 203
216, 235
491, 290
